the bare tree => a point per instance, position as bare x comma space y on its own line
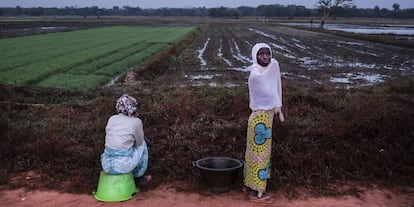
327, 5
396, 6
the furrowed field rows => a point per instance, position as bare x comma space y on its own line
129, 62
77, 37
57, 41
101, 53
92, 66
38, 48
101, 73
40, 56
40, 70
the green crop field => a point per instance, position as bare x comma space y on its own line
84, 58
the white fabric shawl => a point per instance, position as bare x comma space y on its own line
265, 85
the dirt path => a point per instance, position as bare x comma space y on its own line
167, 196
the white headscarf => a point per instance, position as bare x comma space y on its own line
256, 49
265, 84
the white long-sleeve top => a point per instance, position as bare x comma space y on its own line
265, 85
123, 132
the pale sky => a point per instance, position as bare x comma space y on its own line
404, 4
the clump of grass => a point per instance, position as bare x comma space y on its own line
328, 137
348, 135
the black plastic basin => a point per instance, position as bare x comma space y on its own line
218, 174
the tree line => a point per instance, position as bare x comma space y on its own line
275, 10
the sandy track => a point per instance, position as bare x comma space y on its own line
168, 196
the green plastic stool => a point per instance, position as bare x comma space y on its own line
115, 187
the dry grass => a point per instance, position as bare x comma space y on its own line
329, 137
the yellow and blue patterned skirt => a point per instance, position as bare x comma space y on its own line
258, 150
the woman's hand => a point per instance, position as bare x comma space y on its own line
278, 111
281, 117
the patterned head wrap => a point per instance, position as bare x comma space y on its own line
126, 104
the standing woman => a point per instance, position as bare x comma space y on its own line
125, 147
265, 100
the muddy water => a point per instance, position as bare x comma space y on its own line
222, 55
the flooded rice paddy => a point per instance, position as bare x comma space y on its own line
223, 56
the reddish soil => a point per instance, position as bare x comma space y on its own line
167, 195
